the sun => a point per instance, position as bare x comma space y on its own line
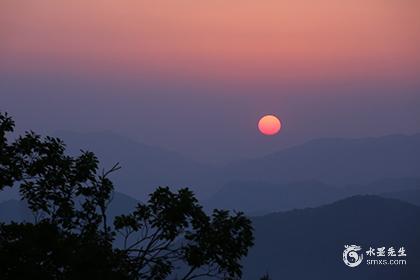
269, 125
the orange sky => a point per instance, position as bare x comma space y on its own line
238, 39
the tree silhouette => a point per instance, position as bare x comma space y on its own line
71, 238
265, 277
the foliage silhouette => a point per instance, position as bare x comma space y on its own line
71, 238
265, 277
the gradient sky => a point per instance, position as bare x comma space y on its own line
195, 76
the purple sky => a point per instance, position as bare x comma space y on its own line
207, 122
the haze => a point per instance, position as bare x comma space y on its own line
195, 77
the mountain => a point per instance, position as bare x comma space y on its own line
332, 161
335, 161
144, 167
257, 197
385, 185
309, 243
412, 196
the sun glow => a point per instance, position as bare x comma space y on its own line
269, 125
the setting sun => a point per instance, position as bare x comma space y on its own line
269, 125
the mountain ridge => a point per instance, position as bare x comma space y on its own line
309, 242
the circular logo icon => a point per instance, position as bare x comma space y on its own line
351, 257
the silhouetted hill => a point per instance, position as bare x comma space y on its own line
257, 198
411, 196
144, 167
385, 185
262, 197
309, 243
336, 161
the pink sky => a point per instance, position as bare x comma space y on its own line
229, 40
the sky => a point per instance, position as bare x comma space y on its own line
195, 76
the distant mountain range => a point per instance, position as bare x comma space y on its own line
309, 243
144, 167
293, 244
332, 161
336, 161
256, 198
